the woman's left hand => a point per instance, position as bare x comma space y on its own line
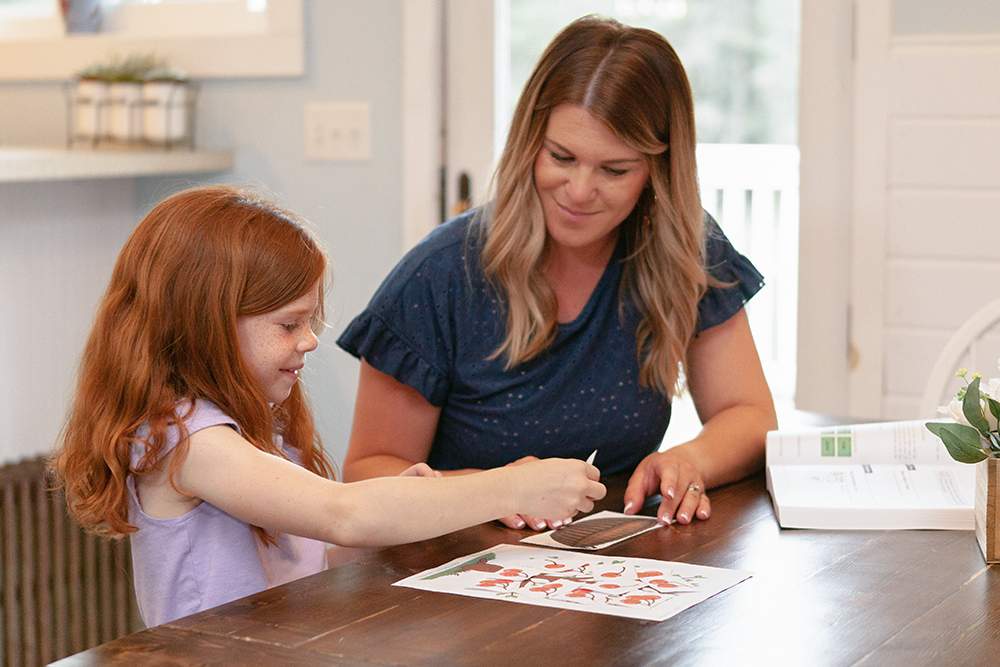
672, 476
735, 406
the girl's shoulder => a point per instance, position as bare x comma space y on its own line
196, 415
200, 413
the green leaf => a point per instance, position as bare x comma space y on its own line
973, 409
994, 407
962, 442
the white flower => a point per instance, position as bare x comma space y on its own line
993, 391
990, 419
954, 410
992, 388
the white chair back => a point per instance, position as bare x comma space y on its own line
975, 347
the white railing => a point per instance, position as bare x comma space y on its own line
753, 191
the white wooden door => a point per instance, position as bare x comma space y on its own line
925, 212
825, 120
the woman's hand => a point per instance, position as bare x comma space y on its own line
672, 476
735, 406
555, 488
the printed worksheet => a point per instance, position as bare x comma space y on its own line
631, 587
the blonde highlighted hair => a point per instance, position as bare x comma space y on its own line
165, 333
633, 81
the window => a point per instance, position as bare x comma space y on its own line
204, 38
742, 59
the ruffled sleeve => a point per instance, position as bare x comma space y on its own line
727, 265
370, 337
408, 330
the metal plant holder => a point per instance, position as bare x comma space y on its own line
153, 114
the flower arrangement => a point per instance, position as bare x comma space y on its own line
975, 435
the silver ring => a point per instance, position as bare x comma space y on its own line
694, 487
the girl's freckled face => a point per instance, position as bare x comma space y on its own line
274, 344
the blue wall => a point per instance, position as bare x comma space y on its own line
353, 52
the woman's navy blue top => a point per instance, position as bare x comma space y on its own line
435, 322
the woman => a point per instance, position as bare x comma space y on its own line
564, 316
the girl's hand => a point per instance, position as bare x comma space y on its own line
556, 489
677, 480
519, 521
420, 470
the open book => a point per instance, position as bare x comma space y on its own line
868, 476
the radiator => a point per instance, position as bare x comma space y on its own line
62, 590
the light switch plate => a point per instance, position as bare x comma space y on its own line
337, 131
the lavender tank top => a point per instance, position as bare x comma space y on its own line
206, 557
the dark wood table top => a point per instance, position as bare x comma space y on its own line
816, 598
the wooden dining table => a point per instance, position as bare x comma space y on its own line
815, 598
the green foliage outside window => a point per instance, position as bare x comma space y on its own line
742, 56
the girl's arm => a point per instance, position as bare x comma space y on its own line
385, 408
735, 406
338, 555
227, 471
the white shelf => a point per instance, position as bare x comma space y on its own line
22, 165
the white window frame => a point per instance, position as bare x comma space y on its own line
268, 44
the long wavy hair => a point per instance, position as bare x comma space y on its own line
165, 335
633, 81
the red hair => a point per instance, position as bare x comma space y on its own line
165, 333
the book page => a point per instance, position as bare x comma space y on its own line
885, 486
873, 444
873, 496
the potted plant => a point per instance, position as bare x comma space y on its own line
165, 102
973, 436
125, 97
90, 103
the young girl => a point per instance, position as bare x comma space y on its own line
190, 432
